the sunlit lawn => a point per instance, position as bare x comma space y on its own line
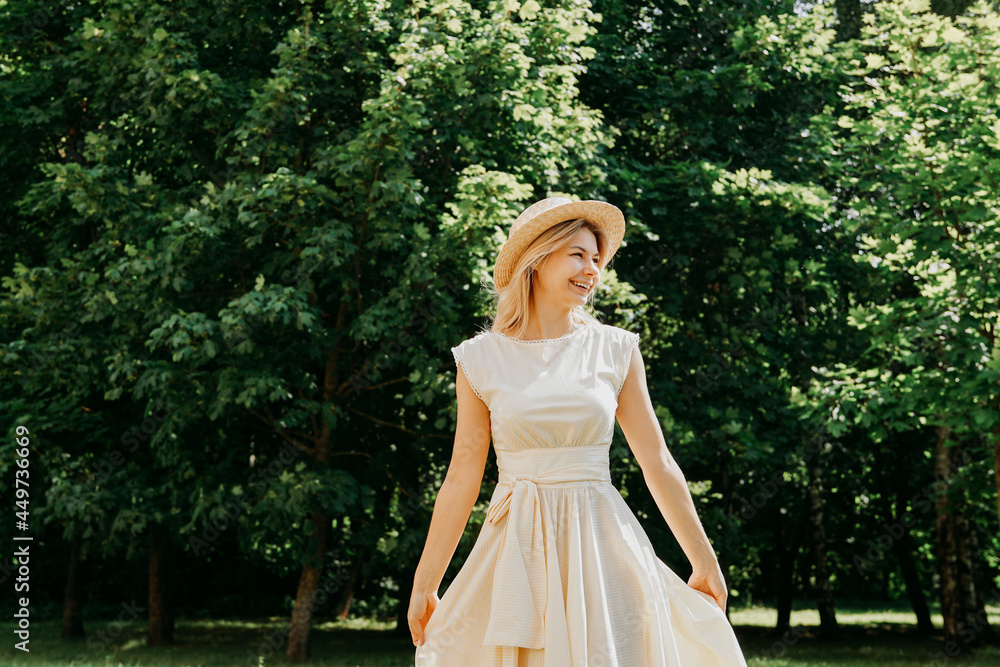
884, 638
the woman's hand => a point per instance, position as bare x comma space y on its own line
709, 580
422, 605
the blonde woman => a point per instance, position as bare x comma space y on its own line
562, 574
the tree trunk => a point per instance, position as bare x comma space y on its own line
954, 559
298, 633
945, 534
977, 626
914, 591
727, 494
824, 596
897, 473
786, 571
342, 605
160, 618
996, 472
72, 626
405, 591
725, 566
307, 595
985, 577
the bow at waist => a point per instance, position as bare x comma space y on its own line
534, 467
517, 609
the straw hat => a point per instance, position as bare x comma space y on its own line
548, 212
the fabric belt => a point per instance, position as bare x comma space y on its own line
520, 586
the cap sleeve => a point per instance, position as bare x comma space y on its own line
627, 341
468, 356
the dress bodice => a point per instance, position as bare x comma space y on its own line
557, 392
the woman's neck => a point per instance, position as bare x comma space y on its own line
542, 327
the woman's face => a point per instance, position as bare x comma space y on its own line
576, 262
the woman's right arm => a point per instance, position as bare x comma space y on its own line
460, 489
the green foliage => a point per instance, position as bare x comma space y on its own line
919, 107
239, 239
270, 219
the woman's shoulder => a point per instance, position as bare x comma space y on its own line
616, 333
475, 342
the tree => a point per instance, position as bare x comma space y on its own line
273, 233
737, 266
919, 106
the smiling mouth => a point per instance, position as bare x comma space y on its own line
582, 289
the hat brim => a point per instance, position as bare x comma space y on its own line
606, 216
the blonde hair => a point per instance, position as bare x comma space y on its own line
510, 304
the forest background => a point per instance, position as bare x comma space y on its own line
237, 240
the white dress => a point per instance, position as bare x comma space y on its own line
562, 574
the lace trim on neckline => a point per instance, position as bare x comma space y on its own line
543, 340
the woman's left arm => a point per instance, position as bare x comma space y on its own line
665, 479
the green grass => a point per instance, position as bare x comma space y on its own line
886, 638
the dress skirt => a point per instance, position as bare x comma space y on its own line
563, 575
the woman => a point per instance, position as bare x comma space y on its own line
562, 573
